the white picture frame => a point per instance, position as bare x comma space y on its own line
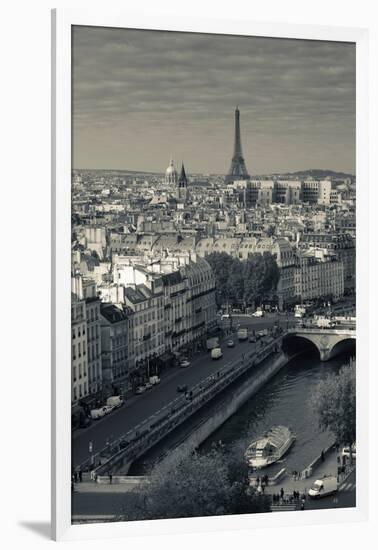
62, 21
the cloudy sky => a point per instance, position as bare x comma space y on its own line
141, 96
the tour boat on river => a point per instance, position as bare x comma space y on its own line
270, 447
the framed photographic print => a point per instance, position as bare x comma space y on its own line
209, 207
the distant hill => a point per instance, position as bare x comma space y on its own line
317, 173
301, 174
116, 171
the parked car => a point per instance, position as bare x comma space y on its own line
182, 388
95, 414
184, 364
225, 316
140, 389
346, 451
148, 385
115, 401
108, 409
216, 353
230, 344
252, 339
154, 380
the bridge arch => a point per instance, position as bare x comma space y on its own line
328, 343
343, 346
293, 343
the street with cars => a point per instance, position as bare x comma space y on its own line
152, 400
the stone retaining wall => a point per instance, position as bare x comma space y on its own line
232, 403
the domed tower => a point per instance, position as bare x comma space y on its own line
171, 175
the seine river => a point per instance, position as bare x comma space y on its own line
283, 400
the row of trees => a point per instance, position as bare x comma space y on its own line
196, 485
245, 281
334, 403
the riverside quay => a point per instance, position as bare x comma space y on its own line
161, 419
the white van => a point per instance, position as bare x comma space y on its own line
216, 353
324, 322
98, 413
323, 487
154, 380
258, 313
115, 401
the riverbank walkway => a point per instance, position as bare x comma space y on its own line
107, 488
290, 483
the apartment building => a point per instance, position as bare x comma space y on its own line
114, 349
341, 246
79, 374
319, 277
146, 323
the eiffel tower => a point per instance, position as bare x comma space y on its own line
238, 170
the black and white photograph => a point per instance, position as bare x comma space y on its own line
213, 275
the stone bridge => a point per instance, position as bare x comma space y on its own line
329, 342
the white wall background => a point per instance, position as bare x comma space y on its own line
25, 255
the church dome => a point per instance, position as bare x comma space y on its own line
171, 175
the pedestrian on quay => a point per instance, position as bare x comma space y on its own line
257, 481
259, 489
322, 456
75, 476
303, 501
282, 492
110, 478
80, 476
